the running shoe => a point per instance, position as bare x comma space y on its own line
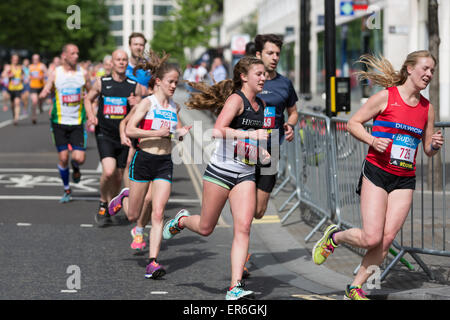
138, 242
355, 293
238, 293
115, 204
154, 270
76, 175
67, 196
171, 228
102, 217
325, 246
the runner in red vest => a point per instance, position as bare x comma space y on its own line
402, 118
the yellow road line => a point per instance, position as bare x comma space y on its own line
312, 297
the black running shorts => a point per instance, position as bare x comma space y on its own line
112, 148
146, 167
383, 179
63, 135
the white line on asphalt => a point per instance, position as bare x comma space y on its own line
37, 197
23, 224
159, 292
86, 225
42, 170
69, 291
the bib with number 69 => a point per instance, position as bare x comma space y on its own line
269, 117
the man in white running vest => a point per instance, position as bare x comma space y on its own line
69, 83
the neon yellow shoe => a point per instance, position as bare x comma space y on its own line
325, 246
354, 293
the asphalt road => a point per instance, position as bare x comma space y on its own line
54, 251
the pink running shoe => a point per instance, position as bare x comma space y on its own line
138, 242
115, 204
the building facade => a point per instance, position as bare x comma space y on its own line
391, 28
129, 16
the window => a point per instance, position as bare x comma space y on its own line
118, 40
116, 25
159, 10
115, 10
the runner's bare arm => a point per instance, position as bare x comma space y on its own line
132, 129
89, 101
291, 121
124, 139
373, 106
233, 107
48, 85
181, 130
432, 141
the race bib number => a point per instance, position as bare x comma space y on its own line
35, 74
246, 151
164, 119
71, 97
403, 151
114, 107
269, 117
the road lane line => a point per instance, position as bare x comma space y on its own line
23, 224
38, 197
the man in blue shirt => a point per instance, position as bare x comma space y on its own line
279, 95
137, 41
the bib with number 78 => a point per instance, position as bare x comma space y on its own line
403, 151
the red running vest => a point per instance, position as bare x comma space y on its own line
404, 124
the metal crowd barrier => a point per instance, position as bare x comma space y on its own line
323, 167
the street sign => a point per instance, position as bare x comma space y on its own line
360, 5
346, 8
238, 43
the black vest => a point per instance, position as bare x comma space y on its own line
113, 105
249, 119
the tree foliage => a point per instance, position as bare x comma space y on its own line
187, 26
41, 26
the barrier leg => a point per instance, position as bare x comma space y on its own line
315, 229
392, 264
287, 201
296, 205
423, 266
281, 186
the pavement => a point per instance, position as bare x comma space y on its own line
280, 250
290, 259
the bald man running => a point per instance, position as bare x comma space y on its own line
117, 94
68, 82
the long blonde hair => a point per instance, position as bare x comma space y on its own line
382, 73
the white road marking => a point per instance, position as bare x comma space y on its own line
86, 225
37, 197
69, 291
159, 292
23, 224
42, 170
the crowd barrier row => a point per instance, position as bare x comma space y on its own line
323, 166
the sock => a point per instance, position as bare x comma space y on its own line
75, 165
332, 239
64, 173
103, 204
179, 220
139, 230
150, 260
